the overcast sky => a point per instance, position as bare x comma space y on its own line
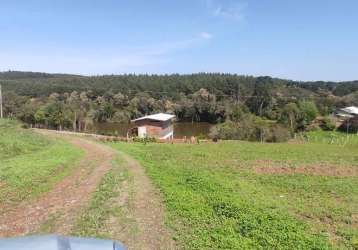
301, 40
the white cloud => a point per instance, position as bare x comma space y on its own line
165, 48
234, 11
206, 35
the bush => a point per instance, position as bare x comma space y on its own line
309, 111
313, 127
328, 124
250, 128
279, 134
201, 137
144, 140
230, 130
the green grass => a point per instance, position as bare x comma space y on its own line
92, 222
334, 137
215, 199
31, 163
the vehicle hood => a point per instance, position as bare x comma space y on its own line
57, 242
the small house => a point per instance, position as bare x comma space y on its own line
159, 126
348, 112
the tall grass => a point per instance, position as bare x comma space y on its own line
16, 141
334, 137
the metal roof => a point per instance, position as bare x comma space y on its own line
351, 110
157, 117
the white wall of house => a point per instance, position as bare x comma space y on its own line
142, 132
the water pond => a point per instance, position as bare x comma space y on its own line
181, 129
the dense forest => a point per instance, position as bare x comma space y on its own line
244, 107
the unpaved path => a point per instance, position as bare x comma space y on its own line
66, 198
140, 227
143, 212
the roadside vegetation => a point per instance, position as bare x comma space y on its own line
332, 137
246, 195
31, 163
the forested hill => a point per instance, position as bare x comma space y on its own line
17, 75
60, 100
37, 84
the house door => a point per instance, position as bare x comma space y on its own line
142, 132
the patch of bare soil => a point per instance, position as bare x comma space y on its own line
141, 225
317, 170
66, 198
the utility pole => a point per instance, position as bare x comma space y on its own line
1, 110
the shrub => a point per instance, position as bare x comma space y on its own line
230, 130
309, 111
201, 137
328, 124
25, 126
144, 140
279, 134
313, 127
250, 128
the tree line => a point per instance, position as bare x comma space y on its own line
263, 105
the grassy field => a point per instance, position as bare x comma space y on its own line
30, 163
242, 195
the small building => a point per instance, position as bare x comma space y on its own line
159, 126
348, 112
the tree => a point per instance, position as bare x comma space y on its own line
235, 112
40, 117
204, 104
27, 113
261, 99
213, 98
308, 112
120, 100
289, 116
74, 104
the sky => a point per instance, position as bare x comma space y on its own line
299, 40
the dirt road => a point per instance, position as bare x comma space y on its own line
66, 198
71, 195
143, 226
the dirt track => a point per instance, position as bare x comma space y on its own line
71, 195
143, 206
66, 198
